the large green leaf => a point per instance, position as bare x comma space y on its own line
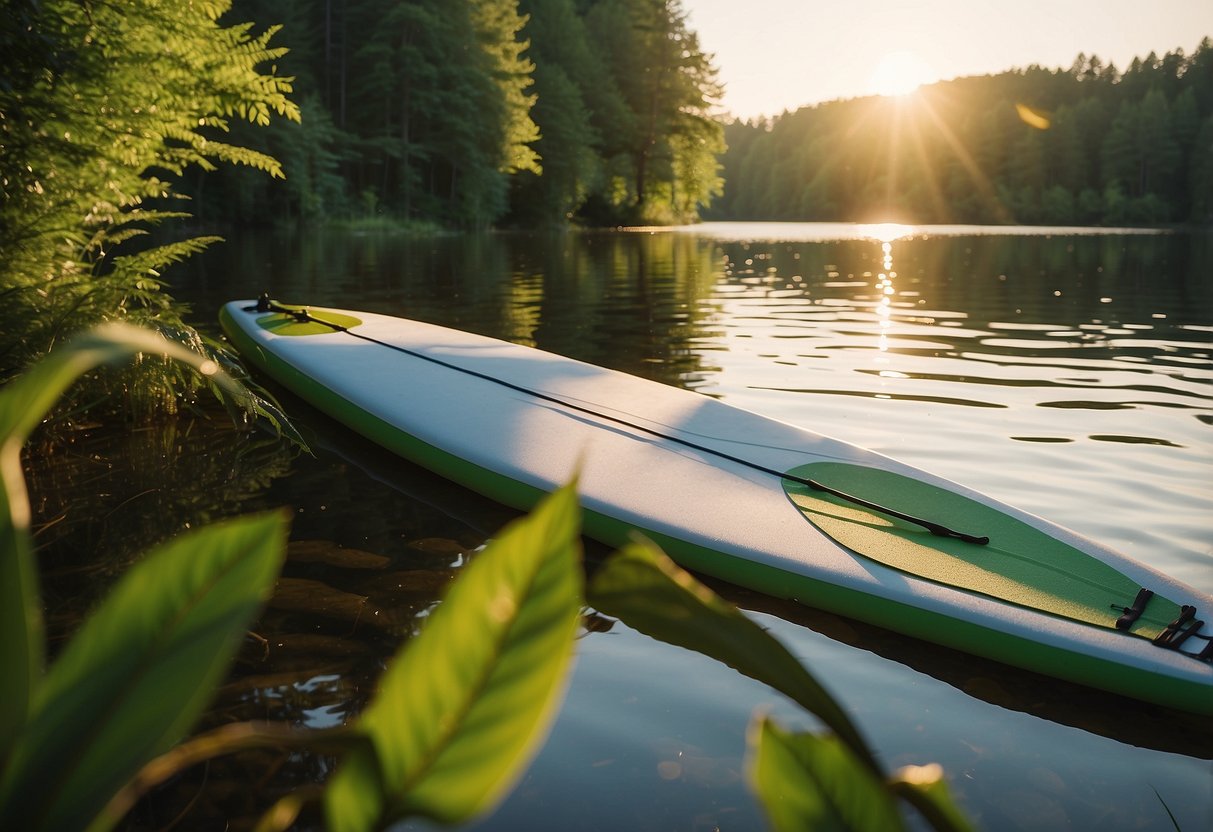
139, 671
24, 403
21, 649
808, 782
646, 590
461, 709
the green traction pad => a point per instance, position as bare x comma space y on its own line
1020, 565
281, 323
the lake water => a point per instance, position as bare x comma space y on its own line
1063, 371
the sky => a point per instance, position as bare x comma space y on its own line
776, 55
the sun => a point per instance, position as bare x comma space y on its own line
898, 73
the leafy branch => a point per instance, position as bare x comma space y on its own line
804, 781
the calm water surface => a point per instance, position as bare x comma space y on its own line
1061, 371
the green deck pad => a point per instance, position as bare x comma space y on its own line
281, 323
1021, 564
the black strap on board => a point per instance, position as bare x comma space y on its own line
266, 304
1131, 614
1179, 630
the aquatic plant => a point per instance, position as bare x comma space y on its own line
141, 668
80, 741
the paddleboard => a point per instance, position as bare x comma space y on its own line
751, 500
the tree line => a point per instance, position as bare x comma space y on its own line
1085, 145
468, 113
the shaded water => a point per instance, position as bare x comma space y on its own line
1066, 373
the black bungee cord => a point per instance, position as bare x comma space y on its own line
302, 315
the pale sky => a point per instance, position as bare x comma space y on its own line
776, 55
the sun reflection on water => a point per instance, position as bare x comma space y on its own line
886, 233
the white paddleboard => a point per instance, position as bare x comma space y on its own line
726, 492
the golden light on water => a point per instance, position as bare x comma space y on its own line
899, 73
886, 232
884, 287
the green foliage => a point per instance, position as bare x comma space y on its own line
143, 665
806, 781
104, 106
803, 781
570, 168
924, 788
810, 782
471, 112
140, 671
571, 88
497, 25
644, 588
460, 710
416, 110
24, 403
1201, 173
1105, 147
457, 715
664, 164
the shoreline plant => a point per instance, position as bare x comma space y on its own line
103, 107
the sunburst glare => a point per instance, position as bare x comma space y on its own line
899, 73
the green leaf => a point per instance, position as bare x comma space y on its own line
646, 590
139, 672
924, 788
21, 649
809, 782
24, 403
461, 709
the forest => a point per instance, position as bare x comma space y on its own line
471, 113
468, 113
1087, 145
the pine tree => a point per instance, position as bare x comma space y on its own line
1200, 176
566, 75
